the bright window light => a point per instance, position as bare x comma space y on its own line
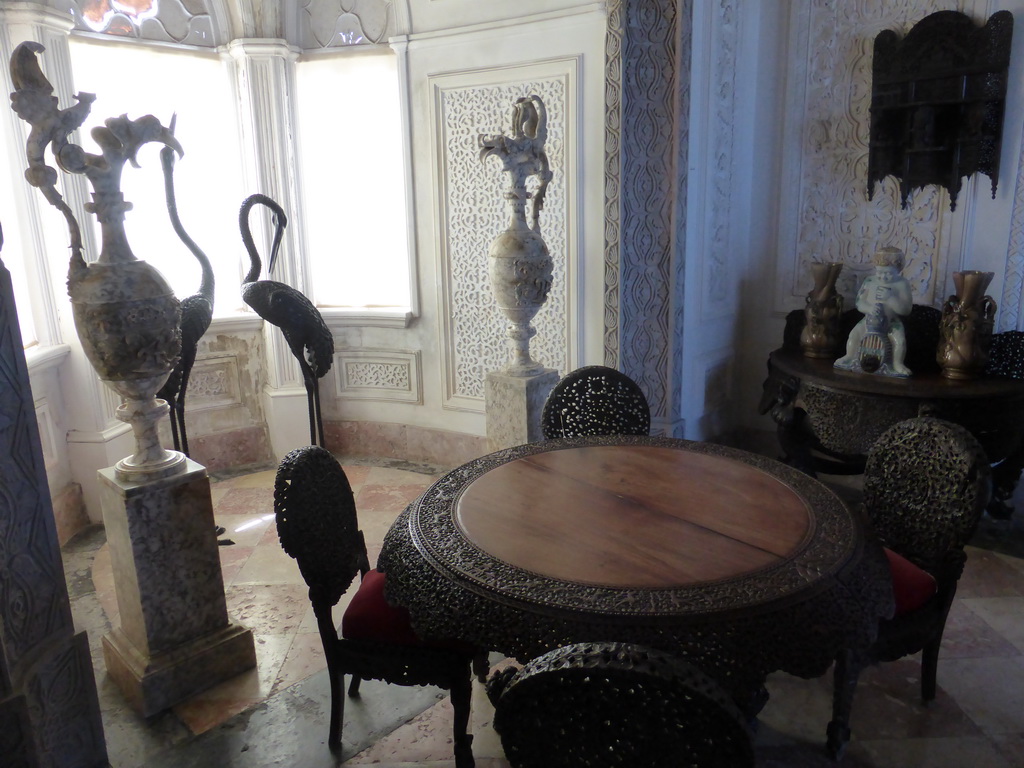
353, 179
13, 252
138, 80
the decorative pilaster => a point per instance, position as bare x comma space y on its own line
48, 701
265, 83
265, 79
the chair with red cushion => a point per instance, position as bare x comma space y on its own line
926, 484
317, 525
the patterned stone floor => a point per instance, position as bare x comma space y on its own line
276, 714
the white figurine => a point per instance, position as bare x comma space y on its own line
878, 343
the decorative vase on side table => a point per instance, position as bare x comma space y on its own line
966, 326
820, 336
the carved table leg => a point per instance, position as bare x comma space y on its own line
1005, 477
794, 432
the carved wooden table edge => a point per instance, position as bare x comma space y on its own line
792, 618
791, 375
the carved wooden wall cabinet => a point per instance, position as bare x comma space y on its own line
937, 102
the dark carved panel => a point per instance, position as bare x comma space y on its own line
44, 663
937, 101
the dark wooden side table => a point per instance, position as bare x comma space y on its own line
828, 419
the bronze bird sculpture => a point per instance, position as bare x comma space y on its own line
196, 313
304, 329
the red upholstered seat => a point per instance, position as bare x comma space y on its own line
911, 586
370, 617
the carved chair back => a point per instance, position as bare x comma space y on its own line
615, 704
595, 400
926, 484
317, 522
1006, 355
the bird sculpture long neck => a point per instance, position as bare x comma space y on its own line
206, 284
256, 265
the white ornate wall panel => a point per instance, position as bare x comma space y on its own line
474, 211
825, 212
379, 374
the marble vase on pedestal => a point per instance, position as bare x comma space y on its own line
175, 638
520, 275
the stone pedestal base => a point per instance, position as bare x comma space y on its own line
153, 683
175, 638
514, 405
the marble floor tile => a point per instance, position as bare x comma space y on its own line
1004, 614
276, 715
990, 691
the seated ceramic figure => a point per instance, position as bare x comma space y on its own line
878, 343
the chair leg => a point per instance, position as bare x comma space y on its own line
929, 669
847, 671
337, 706
462, 692
353, 687
481, 666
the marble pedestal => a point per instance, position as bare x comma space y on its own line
175, 638
514, 405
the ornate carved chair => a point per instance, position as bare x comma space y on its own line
317, 525
926, 484
595, 400
614, 704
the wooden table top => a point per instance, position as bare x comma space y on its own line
633, 516
926, 386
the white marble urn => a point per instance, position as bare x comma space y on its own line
520, 272
520, 265
126, 314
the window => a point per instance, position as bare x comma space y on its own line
353, 179
136, 79
14, 252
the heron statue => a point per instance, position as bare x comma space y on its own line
304, 329
196, 313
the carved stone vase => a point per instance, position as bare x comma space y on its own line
127, 319
520, 274
820, 335
965, 331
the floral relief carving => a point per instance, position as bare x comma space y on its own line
188, 22
648, 198
717, 283
340, 23
209, 384
475, 211
1008, 317
377, 375
834, 219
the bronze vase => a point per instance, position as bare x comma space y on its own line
965, 331
820, 335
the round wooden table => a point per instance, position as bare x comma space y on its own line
733, 560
